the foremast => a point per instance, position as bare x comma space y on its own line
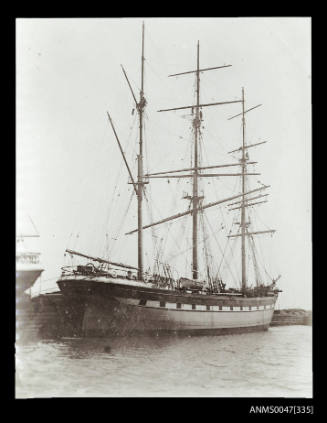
138, 185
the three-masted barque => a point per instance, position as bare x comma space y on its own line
105, 297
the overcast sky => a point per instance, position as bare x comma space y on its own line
70, 176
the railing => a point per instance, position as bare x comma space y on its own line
33, 258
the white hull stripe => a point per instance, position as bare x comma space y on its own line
193, 307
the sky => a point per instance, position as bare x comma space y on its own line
71, 179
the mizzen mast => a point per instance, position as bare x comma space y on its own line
245, 200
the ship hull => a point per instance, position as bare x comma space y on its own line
98, 307
25, 278
26, 327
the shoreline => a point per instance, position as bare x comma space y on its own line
292, 316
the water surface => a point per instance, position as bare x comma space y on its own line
269, 364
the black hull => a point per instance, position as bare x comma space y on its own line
97, 308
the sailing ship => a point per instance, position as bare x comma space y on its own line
105, 297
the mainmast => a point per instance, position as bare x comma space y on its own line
140, 108
195, 198
243, 223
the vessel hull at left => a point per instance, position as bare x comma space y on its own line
26, 278
26, 328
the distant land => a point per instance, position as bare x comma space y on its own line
292, 316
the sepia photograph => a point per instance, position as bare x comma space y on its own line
163, 207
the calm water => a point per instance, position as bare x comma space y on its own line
273, 363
